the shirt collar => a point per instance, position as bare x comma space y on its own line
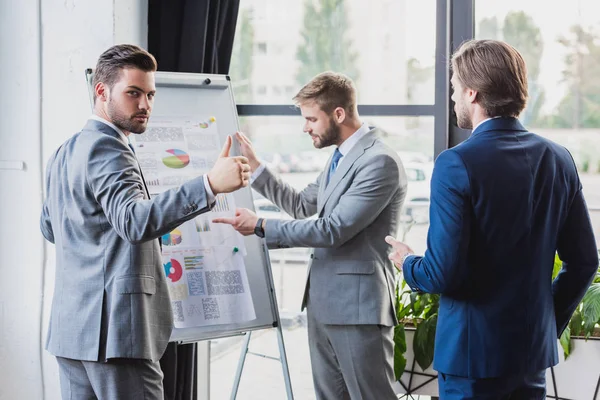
120, 132
349, 143
485, 120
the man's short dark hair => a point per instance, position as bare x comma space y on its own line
118, 57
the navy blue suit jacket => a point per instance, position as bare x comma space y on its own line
502, 203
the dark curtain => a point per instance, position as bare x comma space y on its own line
189, 36
192, 35
179, 365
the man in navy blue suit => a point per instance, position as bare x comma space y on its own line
503, 202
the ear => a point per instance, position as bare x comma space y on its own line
101, 91
339, 114
471, 95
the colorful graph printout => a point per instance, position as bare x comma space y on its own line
172, 238
173, 270
178, 159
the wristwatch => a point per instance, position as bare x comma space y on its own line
258, 229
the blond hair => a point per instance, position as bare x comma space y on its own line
329, 90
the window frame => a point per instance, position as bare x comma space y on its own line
452, 21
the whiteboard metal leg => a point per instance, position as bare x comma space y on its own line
240, 367
284, 364
282, 358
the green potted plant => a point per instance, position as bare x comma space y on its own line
585, 321
417, 313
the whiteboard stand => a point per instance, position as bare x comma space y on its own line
246, 346
282, 358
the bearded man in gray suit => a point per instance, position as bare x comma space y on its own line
111, 313
349, 294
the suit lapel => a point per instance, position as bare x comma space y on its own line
346, 164
323, 185
95, 125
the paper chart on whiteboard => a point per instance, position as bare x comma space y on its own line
203, 261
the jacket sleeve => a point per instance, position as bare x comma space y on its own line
443, 267
577, 249
46, 224
45, 220
116, 183
370, 192
299, 205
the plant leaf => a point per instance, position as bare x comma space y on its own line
416, 302
591, 308
565, 342
424, 341
576, 324
432, 306
399, 350
557, 266
402, 312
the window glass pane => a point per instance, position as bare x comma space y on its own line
561, 46
289, 151
387, 47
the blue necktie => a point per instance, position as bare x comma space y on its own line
334, 162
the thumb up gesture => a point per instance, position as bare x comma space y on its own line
229, 173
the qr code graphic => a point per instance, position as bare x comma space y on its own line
177, 311
211, 308
224, 282
196, 283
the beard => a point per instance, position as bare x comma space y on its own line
330, 137
126, 122
463, 119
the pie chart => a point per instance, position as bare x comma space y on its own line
173, 270
172, 238
177, 159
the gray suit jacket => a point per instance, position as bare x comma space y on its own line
351, 279
110, 297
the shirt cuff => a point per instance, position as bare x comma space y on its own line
210, 196
257, 173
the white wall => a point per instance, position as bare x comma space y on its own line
45, 46
20, 199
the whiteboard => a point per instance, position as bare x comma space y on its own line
185, 94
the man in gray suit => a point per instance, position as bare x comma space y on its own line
111, 313
349, 294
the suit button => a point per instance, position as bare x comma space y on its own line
312, 256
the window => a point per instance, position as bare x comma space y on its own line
415, 174
288, 151
388, 48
